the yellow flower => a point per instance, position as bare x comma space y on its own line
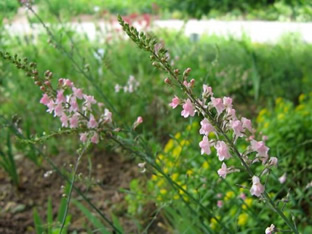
177, 136
166, 170
174, 176
168, 146
181, 191
278, 100
163, 191
189, 172
280, 116
214, 222
301, 97
176, 197
229, 195
300, 107
161, 156
160, 183
188, 128
205, 165
154, 177
248, 203
266, 125
184, 142
242, 219
177, 151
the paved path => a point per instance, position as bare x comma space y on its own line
258, 31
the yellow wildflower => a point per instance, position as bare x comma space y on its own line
169, 146
229, 195
205, 165
242, 219
163, 191
248, 203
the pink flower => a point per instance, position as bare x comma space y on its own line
92, 122
270, 230
89, 100
138, 121
58, 110
83, 137
73, 121
223, 171
107, 116
220, 203
227, 102
261, 149
247, 124
95, 138
257, 188
237, 128
64, 120
68, 83
207, 91
242, 196
51, 106
282, 179
45, 99
222, 150
218, 104
206, 127
205, 146
273, 161
73, 104
188, 109
231, 113
60, 96
77, 93
174, 102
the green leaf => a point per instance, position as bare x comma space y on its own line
38, 223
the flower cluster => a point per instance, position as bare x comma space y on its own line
219, 117
75, 109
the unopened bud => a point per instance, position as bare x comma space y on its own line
47, 83
192, 82
38, 83
42, 88
47, 73
167, 81
176, 71
187, 71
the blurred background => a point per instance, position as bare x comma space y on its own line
258, 52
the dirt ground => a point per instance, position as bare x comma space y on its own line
110, 172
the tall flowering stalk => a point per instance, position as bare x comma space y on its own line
218, 116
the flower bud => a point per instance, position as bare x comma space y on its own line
38, 83
167, 81
176, 71
187, 71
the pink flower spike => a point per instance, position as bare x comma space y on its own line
45, 99
270, 230
222, 150
223, 171
174, 102
77, 93
247, 124
206, 127
257, 188
237, 128
205, 146
73, 121
84, 137
92, 122
60, 96
95, 138
218, 104
188, 109
227, 102
64, 120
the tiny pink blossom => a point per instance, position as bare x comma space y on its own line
73, 104
108, 116
237, 128
45, 99
227, 102
188, 109
270, 230
220, 203
273, 161
77, 93
64, 120
205, 146
261, 149
60, 96
138, 121
247, 124
95, 138
222, 150
223, 171
68, 83
257, 188
218, 104
206, 127
73, 121
207, 91
92, 122
89, 100
242, 196
51, 106
83, 137
174, 102
58, 110
282, 179
231, 113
